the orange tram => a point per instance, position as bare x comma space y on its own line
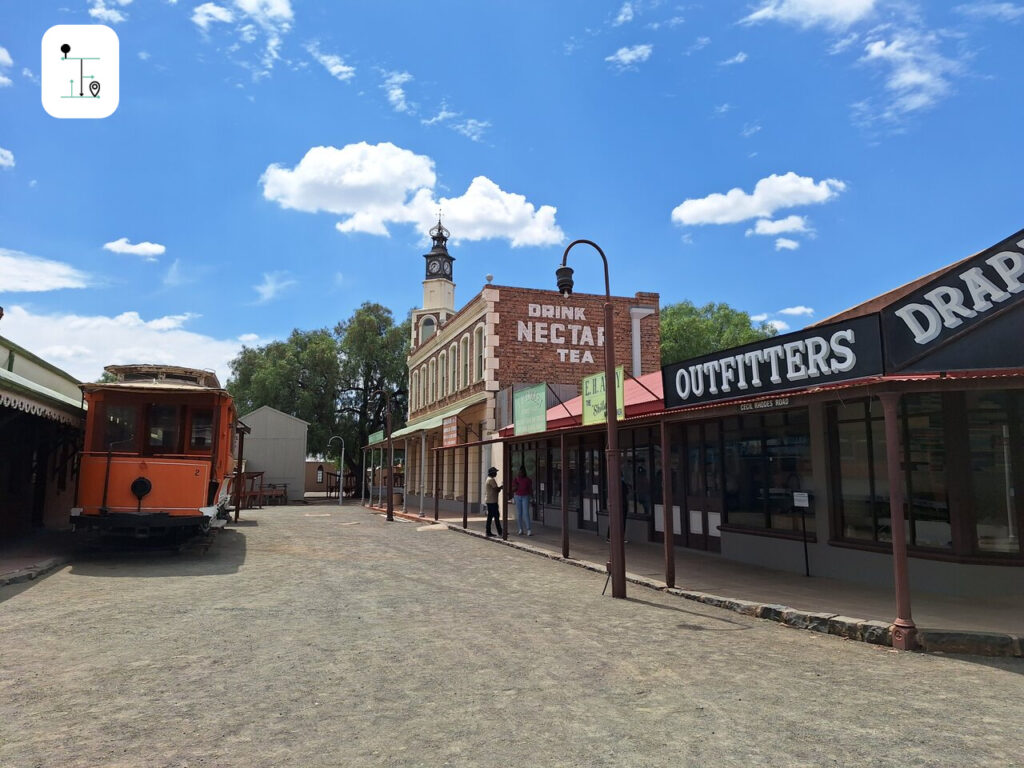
157, 454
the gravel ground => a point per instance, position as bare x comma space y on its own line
324, 636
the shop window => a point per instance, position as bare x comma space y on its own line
995, 427
767, 459
924, 456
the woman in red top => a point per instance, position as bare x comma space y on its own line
523, 491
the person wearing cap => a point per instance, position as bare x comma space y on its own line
491, 491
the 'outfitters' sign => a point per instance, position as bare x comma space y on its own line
954, 302
820, 355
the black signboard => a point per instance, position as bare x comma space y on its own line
819, 355
962, 297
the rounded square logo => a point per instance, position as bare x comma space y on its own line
80, 70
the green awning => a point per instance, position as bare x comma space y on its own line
433, 422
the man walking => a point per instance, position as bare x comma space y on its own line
491, 491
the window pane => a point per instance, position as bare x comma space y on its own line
929, 504
855, 480
745, 480
202, 430
120, 429
993, 494
163, 428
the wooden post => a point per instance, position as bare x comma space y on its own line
565, 496
667, 511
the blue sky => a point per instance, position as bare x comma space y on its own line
273, 164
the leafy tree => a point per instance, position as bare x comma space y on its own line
690, 331
330, 379
373, 359
300, 376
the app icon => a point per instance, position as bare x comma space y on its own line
80, 70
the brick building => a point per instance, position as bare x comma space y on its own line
464, 366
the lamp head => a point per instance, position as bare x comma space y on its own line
564, 276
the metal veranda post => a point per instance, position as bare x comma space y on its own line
341, 467
904, 634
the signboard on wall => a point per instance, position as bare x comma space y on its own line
450, 431
966, 295
530, 409
595, 401
821, 355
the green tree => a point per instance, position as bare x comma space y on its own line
690, 331
373, 359
330, 379
300, 376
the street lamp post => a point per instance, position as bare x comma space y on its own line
391, 456
617, 555
341, 466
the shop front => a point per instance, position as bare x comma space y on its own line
885, 442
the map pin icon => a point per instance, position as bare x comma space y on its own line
94, 88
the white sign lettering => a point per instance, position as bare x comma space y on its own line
570, 337
949, 305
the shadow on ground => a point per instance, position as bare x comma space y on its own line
224, 556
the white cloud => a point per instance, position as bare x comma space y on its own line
378, 185
6, 158
999, 11
739, 58
779, 325
721, 109
785, 244
83, 344
5, 81
101, 12
797, 311
207, 13
32, 274
625, 15
174, 277
699, 44
809, 13
792, 223
472, 129
5, 58
147, 250
29, 74
842, 44
443, 114
332, 63
749, 129
393, 86
759, 318
144, 55
675, 21
627, 58
272, 286
770, 194
917, 76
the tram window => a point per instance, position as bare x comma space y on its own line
121, 426
202, 430
163, 428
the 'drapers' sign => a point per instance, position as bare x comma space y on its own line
960, 298
835, 352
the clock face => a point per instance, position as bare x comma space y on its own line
433, 267
447, 267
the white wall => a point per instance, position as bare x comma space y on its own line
277, 446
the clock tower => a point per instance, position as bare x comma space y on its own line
438, 288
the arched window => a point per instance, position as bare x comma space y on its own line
427, 328
430, 381
423, 386
414, 391
453, 368
320, 474
464, 357
442, 375
478, 340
